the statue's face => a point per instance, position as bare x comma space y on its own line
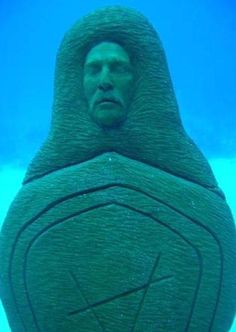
108, 83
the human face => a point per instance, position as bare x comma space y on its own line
108, 83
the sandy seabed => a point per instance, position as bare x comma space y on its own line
11, 178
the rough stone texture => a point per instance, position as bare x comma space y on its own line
124, 229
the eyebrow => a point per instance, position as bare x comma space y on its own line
113, 60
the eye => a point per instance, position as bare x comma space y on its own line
92, 69
121, 68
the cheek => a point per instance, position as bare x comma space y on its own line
124, 83
127, 88
89, 86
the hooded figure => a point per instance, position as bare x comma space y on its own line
119, 225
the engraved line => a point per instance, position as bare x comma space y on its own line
198, 253
85, 299
27, 251
213, 189
145, 290
126, 293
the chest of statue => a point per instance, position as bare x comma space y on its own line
117, 245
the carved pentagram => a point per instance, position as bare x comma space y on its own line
144, 288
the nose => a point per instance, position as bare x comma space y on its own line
105, 82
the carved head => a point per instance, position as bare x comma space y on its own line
108, 83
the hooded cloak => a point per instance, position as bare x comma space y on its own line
153, 132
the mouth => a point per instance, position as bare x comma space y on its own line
108, 101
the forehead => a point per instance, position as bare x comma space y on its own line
107, 51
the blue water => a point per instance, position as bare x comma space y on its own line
199, 40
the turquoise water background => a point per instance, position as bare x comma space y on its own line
199, 40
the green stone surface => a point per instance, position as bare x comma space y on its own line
119, 228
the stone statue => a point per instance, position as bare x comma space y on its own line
120, 225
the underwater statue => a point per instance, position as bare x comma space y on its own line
119, 225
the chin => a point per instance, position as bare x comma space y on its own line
109, 118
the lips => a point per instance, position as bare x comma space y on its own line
107, 100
